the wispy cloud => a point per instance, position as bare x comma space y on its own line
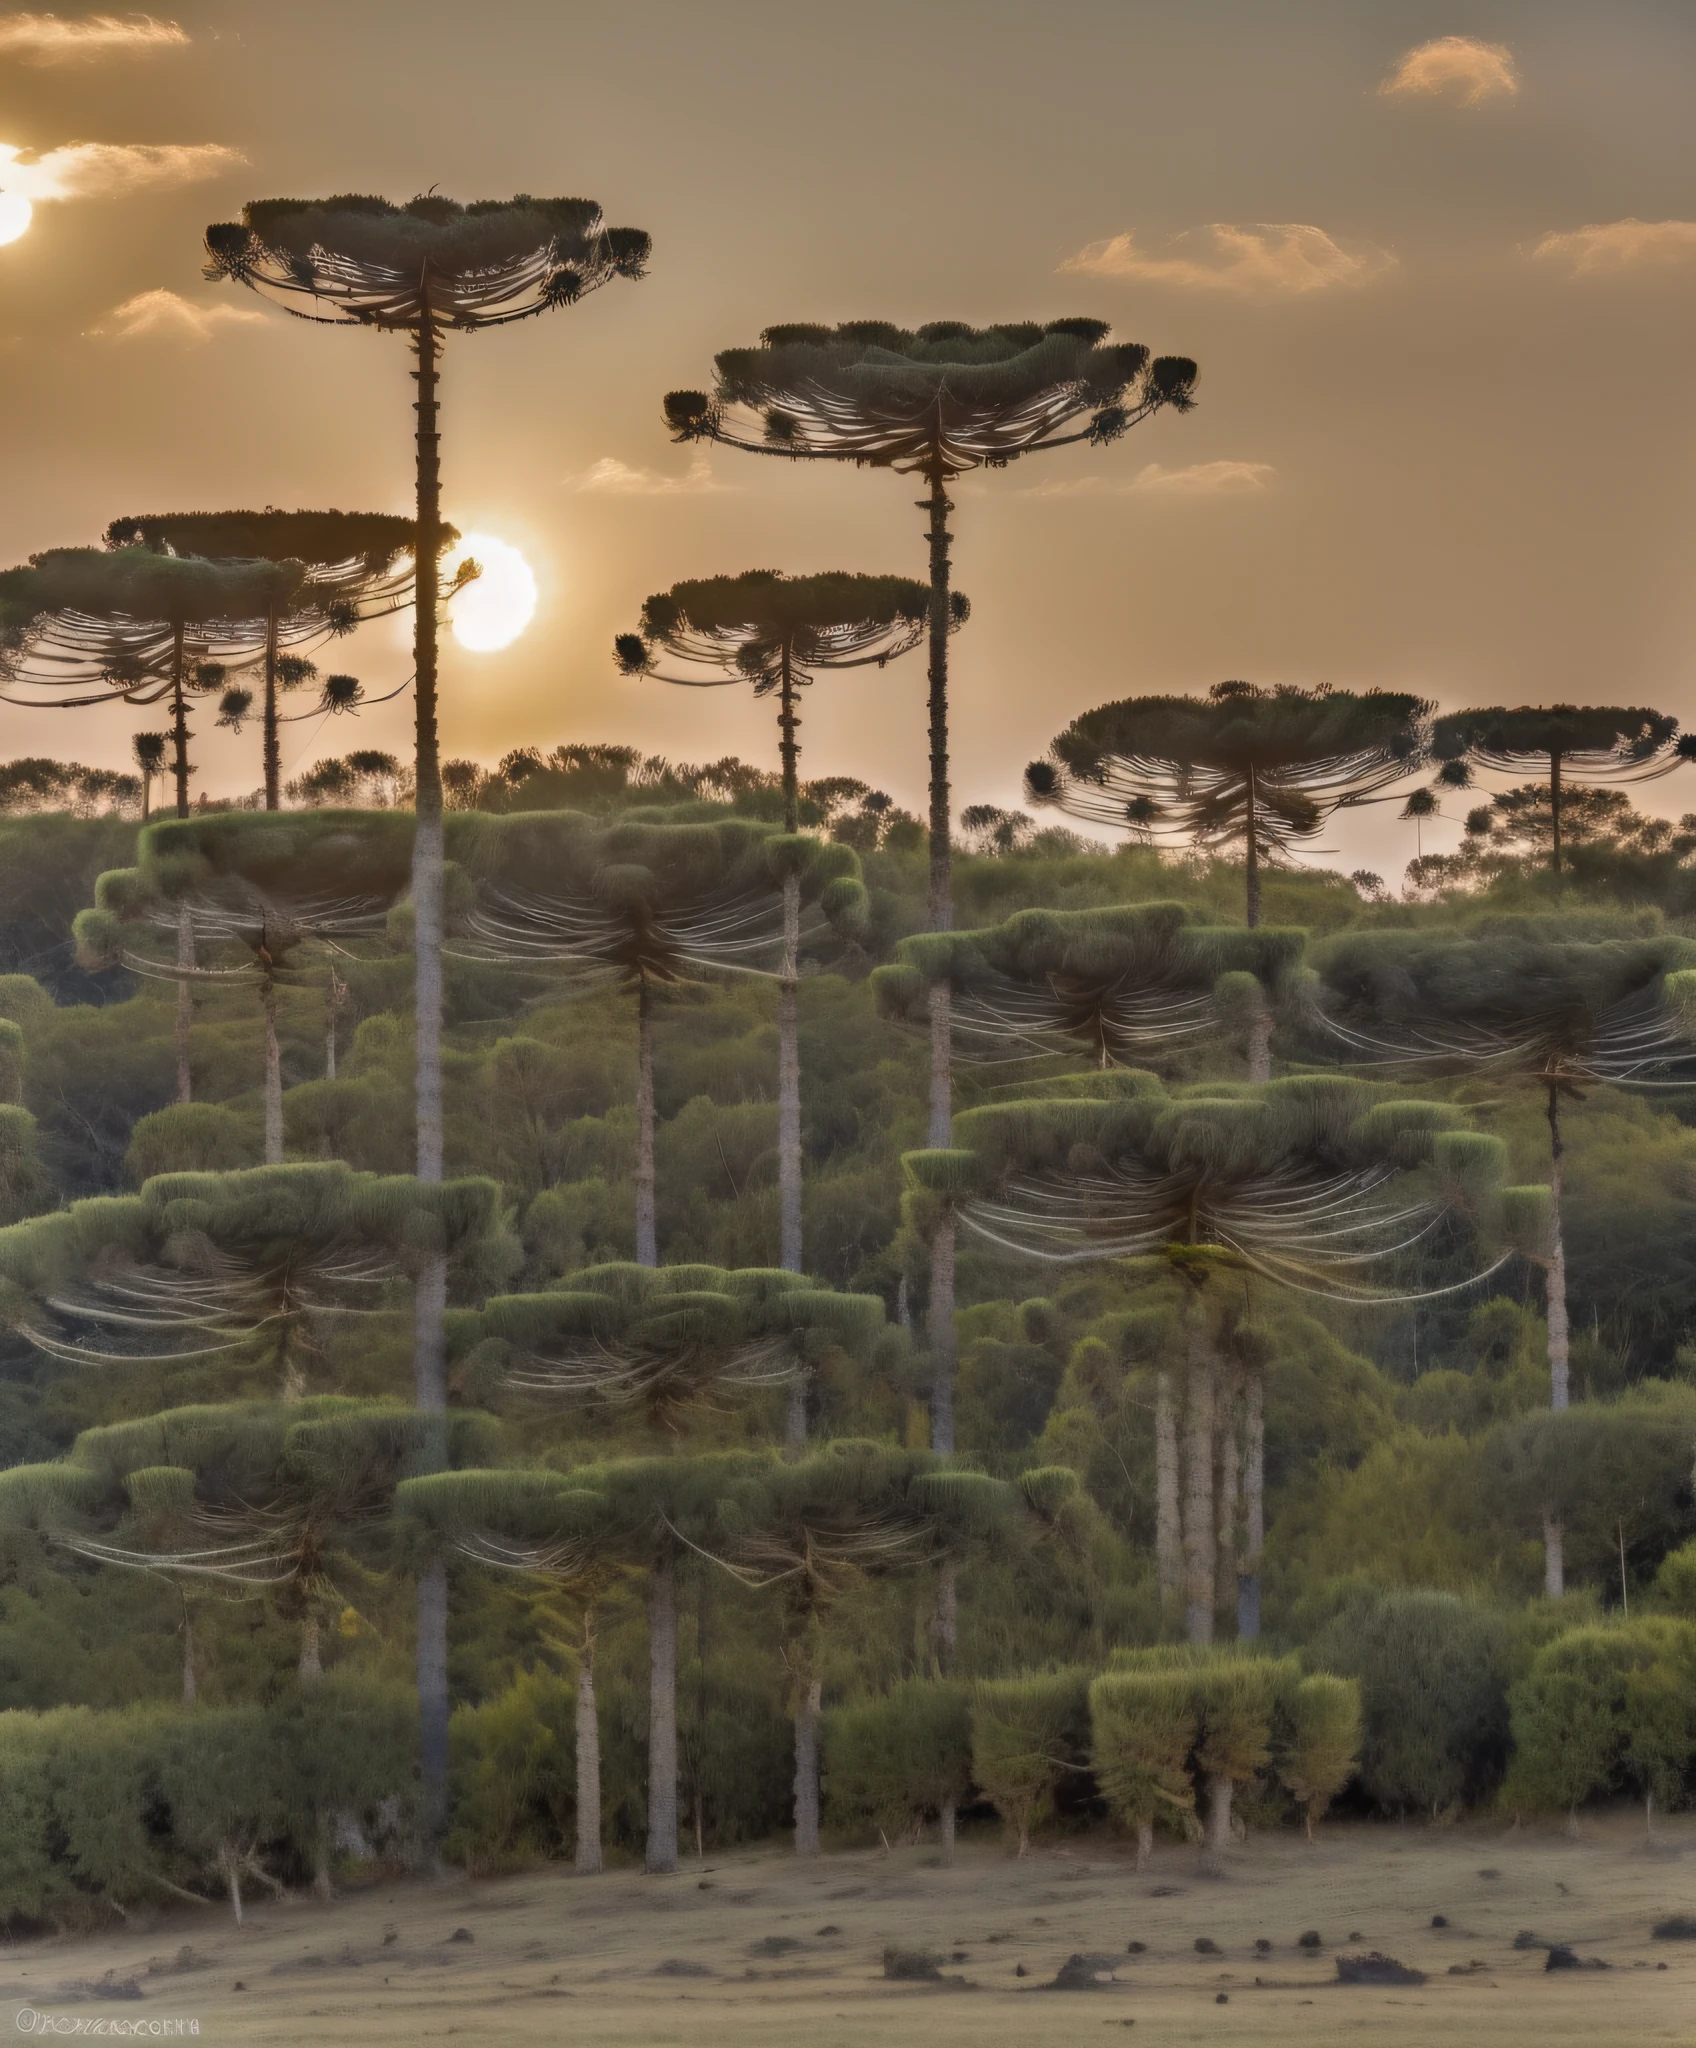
46, 39
618, 479
1223, 478
1284, 257
168, 316
1458, 68
109, 170
1621, 245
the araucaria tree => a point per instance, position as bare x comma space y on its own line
777, 632
1243, 767
653, 904
359, 566
1548, 1001
1569, 747
1323, 1184
423, 270
932, 403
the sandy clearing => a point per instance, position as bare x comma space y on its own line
747, 1963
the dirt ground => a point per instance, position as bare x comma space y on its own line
755, 1951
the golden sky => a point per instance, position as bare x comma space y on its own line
1438, 267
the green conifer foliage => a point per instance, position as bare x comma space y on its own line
1027, 1734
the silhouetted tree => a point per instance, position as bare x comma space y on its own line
1589, 745
933, 403
776, 632
424, 269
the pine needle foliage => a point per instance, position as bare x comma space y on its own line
1028, 1735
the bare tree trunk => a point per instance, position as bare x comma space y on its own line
311, 1666
662, 1719
1218, 1847
273, 1081
430, 1291
1560, 1348
647, 1242
1254, 1504
185, 1005
232, 1879
273, 737
1260, 1038
1145, 1844
939, 1323
946, 1820
1168, 1528
795, 1416
322, 1887
1198, 1494
588, 1862
789, 1084
1228, 1476
807, 1771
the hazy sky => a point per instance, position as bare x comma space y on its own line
1445, 438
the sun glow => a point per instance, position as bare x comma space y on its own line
491, 612
16, 213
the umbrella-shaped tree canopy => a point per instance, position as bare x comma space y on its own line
365, 261
1128, 982
946, 396
1257, 768
668, 1338
1322, 1183
112, 621
1537, 996
1570, 743
251, 1269
741, 626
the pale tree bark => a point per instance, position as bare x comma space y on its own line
1228, 1472
1260, 1024
662, 1719
185, 1004
1198, 1493
311, 1666
647, 1241
1254, 1504
1145, 1844
947, 1820
807, 1769
1218, 1845
273, 1081
1168, 1524
588, 1863
1560, 1340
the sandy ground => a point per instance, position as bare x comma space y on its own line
756, 1950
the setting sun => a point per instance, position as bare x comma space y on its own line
16, 213
491, 612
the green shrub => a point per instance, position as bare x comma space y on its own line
1027, 1734
513, 1775
891, 1763
1142, 1730
1321, 1750
1433, 1672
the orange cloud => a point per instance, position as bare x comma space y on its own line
618, 479
1458, 68
1621, 245
109, 170
1225, 477
45, 39
1281, 257
166, 315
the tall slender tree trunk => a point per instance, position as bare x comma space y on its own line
788, 1005
311, 1665
430, 1291
588, 1862
1218, 1847
1198, 1491
273, 733
1251, 866
941, 919
1555, 809
647, 1242
1254, 1503
662, 1718
1145, 1844
183, 1023
1168, 1525
1560, 1347
273, 1080
807, 1770
1228, 1475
